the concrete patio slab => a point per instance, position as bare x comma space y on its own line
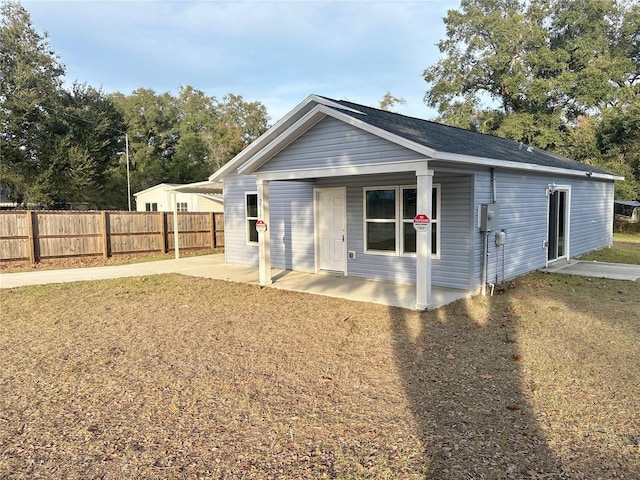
212, 266
615, 271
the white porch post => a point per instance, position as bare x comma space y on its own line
264, 237
423, 240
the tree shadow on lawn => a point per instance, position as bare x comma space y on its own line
460, 366
580, 343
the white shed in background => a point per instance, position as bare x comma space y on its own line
159, 199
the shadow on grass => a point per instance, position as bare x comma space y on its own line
461, 374
581, 350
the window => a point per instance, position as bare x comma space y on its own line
380, 208
151, 207
182, 206
389, 213
251, 215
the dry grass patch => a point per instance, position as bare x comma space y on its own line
98, 260
626, 249
169, 377
622, 252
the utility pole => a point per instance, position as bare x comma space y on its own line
126, 143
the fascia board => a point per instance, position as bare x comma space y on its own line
199, 187
268, 136
419, 166
313, 117
392, 137
336, 105
294, 131
531, 167
164, 186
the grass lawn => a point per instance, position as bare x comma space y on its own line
172, 377
626, 249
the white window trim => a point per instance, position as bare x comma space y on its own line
436, 220
403, 220
549, 190
399, 221
247, 218
180, 205
365, 221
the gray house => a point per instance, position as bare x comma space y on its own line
340, 187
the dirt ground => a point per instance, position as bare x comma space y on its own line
96, 260
169, 377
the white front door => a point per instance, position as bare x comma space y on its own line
331, 204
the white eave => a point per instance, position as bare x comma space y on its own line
315, 108
312, 117
159, 186
207, 187
530, 167
281, 125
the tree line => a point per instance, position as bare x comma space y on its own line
561, 75
65, 147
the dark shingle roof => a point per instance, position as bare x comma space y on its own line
446, 139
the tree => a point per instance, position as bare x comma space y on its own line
30, 77
618, 138
534, 71
238, 123
62, 148
196, 118
86, 137
151, 121
388, 101
185, 138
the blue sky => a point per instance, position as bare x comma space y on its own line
276, 52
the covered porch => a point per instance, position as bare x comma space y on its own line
213, 266
331, 228
392, 294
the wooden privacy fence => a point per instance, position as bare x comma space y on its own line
35, 235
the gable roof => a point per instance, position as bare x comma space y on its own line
206, 187
433, 140
159, 186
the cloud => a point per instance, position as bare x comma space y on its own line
277, 52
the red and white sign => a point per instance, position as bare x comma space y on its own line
261, 226
421, 222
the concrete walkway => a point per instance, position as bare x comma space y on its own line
616, 271
332, 285
212, 266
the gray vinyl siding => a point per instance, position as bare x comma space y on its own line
332, 143
291, 223
524, 216
482, 194
236, 249
453, 267
591, 216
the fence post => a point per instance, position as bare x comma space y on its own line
30, 233
163, 231
105, 234
213, 230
